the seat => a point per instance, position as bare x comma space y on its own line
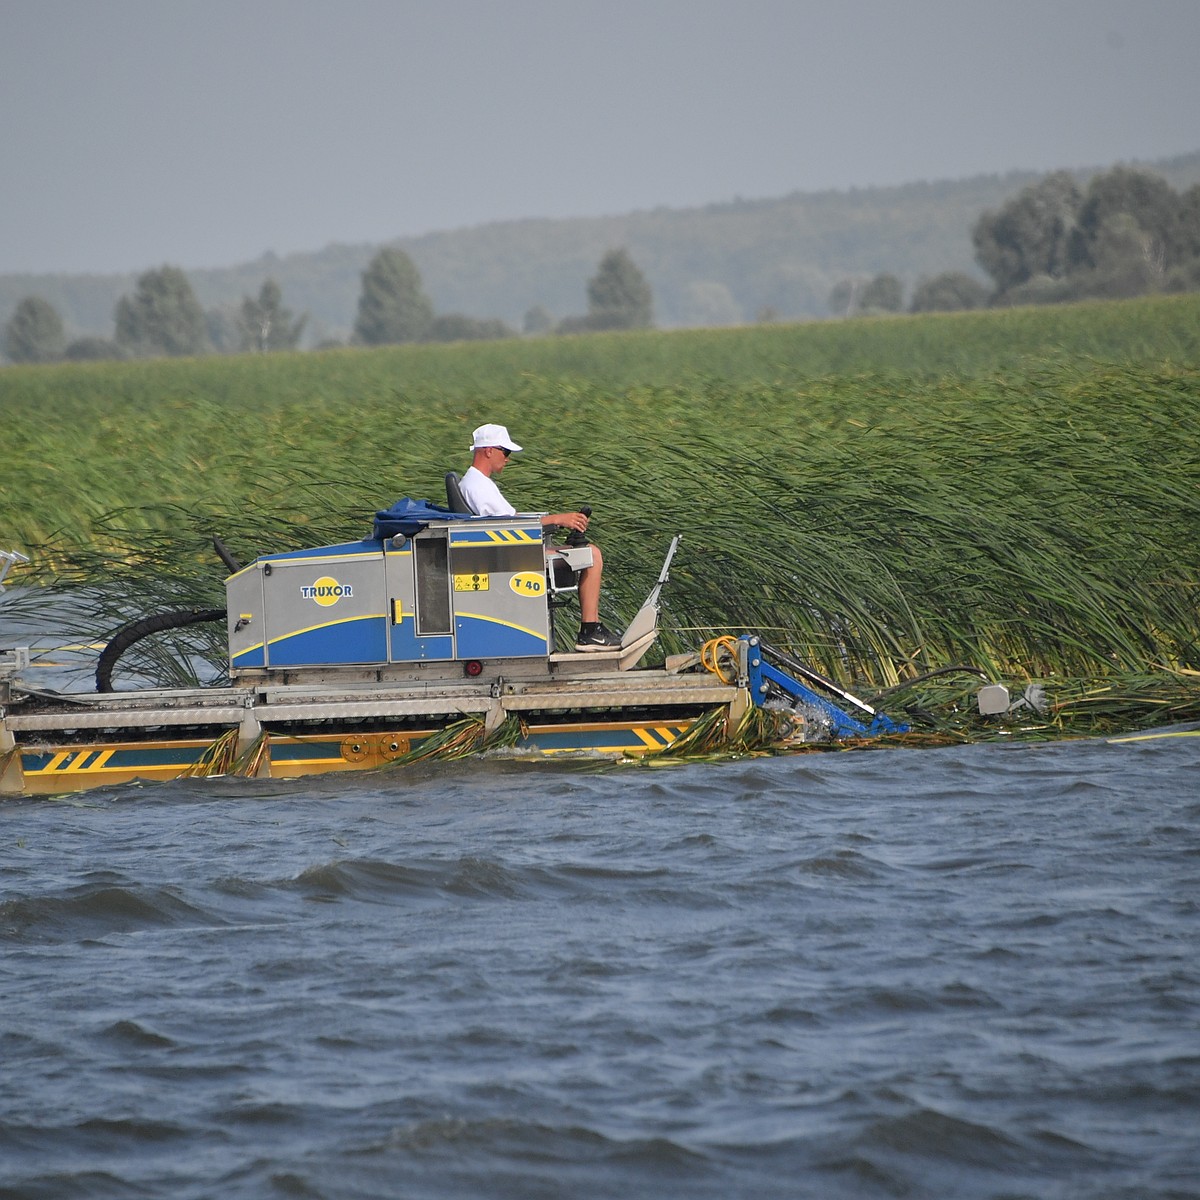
454, 496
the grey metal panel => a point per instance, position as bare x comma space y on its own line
433, 706
134, 720
201, 697
400, 585
300, 593
617, 697
576, 557
510, 579
245, 610
279, 698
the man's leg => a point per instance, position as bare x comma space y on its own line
593, 635
589, 588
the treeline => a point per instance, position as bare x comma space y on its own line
723, 264
1128, 233
163, 318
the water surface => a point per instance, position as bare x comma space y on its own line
968, 973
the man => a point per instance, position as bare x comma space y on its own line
491, 446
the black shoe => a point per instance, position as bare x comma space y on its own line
597, 638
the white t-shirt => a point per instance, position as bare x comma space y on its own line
484, 497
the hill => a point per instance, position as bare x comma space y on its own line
717, 265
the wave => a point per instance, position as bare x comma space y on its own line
135, 1036
476, 877
379, 881
97, 909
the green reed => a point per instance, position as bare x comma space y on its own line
1014, 491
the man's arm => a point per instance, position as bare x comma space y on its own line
575, 520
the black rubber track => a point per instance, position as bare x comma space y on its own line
143, 627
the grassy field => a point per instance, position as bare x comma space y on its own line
1018, 491
80, 441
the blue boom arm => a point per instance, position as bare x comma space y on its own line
764, 676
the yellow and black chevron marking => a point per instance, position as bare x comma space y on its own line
49, 771
502, 537
609, 737
71, 768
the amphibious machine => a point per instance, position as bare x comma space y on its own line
436, 631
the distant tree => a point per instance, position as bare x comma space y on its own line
392, 306
1031, 234
1146, 199
885, 293
455, 327
618, 295
92, 349
951, 291
1185, 276
34, 334
537, 320
1123, 260
162, 317
264, 324
1189, 224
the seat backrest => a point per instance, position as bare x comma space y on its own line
454, 496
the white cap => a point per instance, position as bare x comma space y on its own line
492, 435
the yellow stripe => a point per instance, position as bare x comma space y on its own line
505, 537
76, 761
320, 558
648, 737
239, 574
327, 625
1149, 737
89, 761
307, 559
640, 737
286, 764
54, 766
77, 764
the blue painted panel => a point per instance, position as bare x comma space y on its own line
250, 658
407, 647
479, 637
358, 640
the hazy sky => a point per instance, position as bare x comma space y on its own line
205, 132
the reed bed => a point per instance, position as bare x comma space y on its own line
882, 498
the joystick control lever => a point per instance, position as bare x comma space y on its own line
577, 537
